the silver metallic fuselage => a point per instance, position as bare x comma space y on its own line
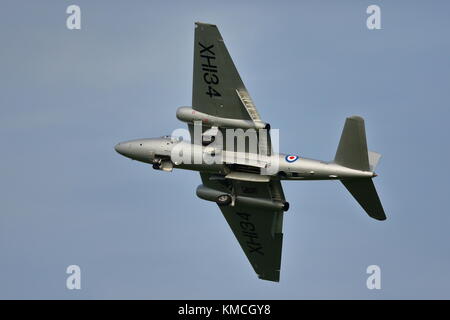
299, 168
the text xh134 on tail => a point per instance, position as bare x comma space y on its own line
244, 178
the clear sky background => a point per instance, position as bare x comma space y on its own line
67, 97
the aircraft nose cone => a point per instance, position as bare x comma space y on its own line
120, 148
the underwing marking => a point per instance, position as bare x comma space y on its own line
248, 230
210, 69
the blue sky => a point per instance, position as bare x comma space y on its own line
69, 96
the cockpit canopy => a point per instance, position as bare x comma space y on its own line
173, 138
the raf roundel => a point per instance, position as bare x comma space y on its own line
291, 158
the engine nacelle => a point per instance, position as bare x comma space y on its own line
190, 115
262, 203
224, 198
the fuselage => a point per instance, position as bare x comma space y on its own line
166, 153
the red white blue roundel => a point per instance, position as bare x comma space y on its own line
290, 158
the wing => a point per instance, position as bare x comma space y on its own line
217, 87
219, 91
259, 232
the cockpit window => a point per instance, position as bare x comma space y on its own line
173, 138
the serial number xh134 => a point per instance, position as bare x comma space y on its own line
244, 178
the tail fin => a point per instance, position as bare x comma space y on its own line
365, 193
352, 149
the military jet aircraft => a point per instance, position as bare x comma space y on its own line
246, 182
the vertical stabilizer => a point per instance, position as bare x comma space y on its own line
352, 149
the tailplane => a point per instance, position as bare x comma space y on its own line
365, 193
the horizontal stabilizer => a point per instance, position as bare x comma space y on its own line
363, 190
